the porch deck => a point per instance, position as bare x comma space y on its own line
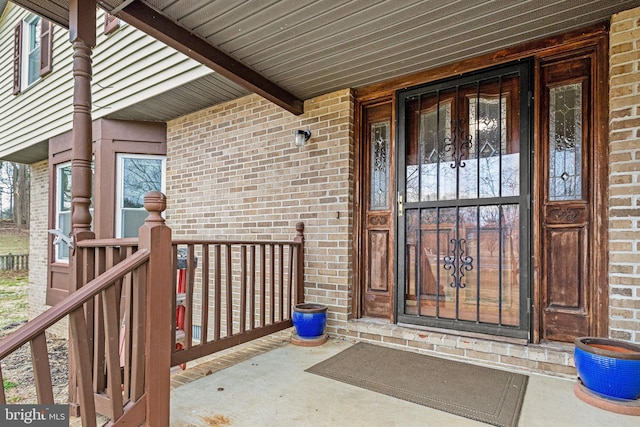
263, 383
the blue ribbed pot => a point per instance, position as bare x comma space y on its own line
309, 319
609, 367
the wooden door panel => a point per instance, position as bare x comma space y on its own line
566, 282
565, 279
377, 301
378, 258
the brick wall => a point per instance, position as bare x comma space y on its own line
624, 181
38, 234
234, 172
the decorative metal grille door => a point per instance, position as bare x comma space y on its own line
463, 213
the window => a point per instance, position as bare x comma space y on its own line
380, 167
565, 137
136, 176
63, 208
32, 49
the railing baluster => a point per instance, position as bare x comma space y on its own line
118, 254
263, 286
87, 258
112, 329
272, 283
99, 383
217, 293
281, 298
81, 353
229, 290
174, 287
42, 369
138, 340
243, 288
126, 331
188, 313
252, 283
204, 328
299, 262
290, 282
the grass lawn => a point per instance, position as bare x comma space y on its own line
13, 241
14, 306
13, 298
13, 284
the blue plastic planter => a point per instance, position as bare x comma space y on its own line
609, 367
309, 320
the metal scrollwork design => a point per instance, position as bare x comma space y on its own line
458, 263
459, 144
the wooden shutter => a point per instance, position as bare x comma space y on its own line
17, 55
46, 47
111, 23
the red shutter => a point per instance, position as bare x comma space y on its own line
17, 54
46, 47
111, 23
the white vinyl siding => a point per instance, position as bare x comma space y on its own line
128, 66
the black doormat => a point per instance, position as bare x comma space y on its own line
479, 393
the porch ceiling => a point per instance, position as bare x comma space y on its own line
305, 48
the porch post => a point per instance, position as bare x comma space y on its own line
155, 236
82, 35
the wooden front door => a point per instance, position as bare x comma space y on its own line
378, 204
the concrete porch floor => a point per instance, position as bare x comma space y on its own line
263, 383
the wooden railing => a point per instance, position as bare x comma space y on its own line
123, 326
33, 333
231, 291
234, 292
123, 375
14, 262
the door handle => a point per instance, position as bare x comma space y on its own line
400, 205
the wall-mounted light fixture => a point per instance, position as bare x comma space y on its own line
302, 136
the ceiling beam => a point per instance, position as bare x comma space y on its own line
160, 27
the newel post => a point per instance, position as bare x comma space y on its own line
300, 263
155, 236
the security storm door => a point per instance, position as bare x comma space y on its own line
463, 211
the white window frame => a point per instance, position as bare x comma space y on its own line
27, 52
59, 167
57, 256
120, 185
